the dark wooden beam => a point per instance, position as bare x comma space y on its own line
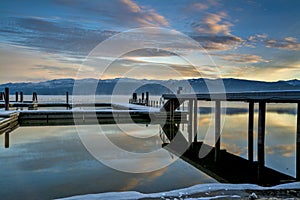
190, 122
250, 131
261, 139
217, 130
298, 143
195, 119
6, 96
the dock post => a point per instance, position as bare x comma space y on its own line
17, 96
217, 130
298, 143
261, 139
1, 96
147, 98
143, 97
6, 97
195, 120
67, 99
190, 122
250, 131
6, 140
172, 117
21, 96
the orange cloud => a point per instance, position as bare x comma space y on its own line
214, 24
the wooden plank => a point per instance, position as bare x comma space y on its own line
217, 130
291, 96
298, 143
250, 131
261, 139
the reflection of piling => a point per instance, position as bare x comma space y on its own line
6, 98
6, 140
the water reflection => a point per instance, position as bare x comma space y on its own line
280, 133
51, 162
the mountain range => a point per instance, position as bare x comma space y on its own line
154, 87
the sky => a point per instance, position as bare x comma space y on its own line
245, 39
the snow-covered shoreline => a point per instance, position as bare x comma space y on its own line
188, 193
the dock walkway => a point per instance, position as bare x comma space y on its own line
261, 97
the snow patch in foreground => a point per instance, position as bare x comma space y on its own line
185, 191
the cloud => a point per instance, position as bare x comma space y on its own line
52, 36
288, 43
200, 6
241, 58
218, 43
285, 150
120, 12
213, 24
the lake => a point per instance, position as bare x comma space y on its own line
51, 162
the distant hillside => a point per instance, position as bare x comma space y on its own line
155, 87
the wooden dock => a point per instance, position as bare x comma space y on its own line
261, 98
9, 121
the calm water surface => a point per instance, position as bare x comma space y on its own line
51, 162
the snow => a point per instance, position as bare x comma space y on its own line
201, 188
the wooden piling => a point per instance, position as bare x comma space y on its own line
147, 98
6, 97
217, 130
17, 96
1, 96
67, 99
6, 140
190, 122
21, 97
195, 119
250, 131
172, 117
261, 139
298, 143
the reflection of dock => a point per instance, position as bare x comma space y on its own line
217, 159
